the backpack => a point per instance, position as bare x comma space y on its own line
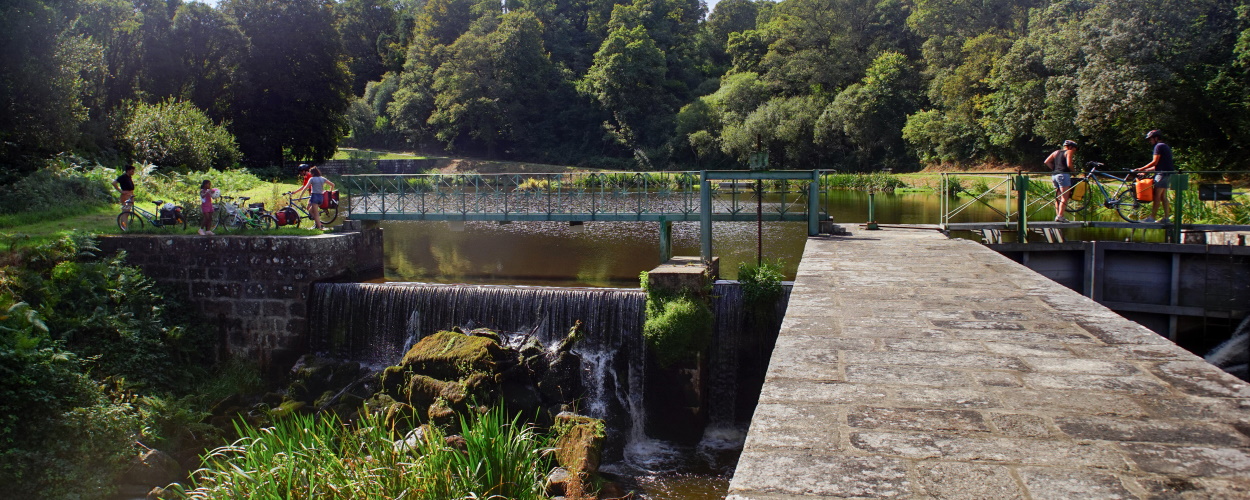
286, 217
169, 214
330, 199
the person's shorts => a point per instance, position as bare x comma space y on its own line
1061, 180
316, 198
206, 208
1161, 179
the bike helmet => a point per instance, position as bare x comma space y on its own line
1154, 134
303, 167
1070, 143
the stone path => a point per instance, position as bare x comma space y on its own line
910, 365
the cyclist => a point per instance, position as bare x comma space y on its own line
125, 183
1161, 164
1060, 163
316, 186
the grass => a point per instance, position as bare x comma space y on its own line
305, 456
365, 154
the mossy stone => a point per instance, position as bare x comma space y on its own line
452, 356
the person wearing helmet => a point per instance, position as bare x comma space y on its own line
1163, 167
305, 173
1060, 163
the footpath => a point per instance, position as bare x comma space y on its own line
910, 365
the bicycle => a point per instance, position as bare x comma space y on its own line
327, 215
234, 217
1122, 199
132, 216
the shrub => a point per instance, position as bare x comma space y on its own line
177, 134
761, 284
64, 186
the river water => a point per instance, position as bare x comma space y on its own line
614, 253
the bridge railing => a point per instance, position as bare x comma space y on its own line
620, 196
1199, 201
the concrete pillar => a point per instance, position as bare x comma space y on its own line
666, 240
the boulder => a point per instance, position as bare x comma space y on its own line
451, 356
423, 391
558, 481
580, 442
563, 380
485, 333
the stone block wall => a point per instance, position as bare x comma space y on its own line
254, 289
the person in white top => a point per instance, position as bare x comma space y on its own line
316, 187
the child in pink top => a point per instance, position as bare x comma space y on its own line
207, 192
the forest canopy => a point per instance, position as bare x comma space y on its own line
855, 85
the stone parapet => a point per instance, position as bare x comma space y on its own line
254, 289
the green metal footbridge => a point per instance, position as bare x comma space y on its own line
578, 197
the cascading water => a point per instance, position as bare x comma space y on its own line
376, 323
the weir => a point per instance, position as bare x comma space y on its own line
376, 323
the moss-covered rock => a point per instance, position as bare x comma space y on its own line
451, 356
423, 391
580, 442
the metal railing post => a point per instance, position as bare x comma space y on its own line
813, 205
705, 218
1022, 223
1180, 183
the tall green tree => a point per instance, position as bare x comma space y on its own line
627, 79
868, 116
295, 86
365, 27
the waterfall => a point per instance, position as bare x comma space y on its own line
376, 323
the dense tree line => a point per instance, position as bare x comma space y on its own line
651, 84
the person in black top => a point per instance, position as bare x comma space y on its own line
126, 184
1060, 163
1161, 164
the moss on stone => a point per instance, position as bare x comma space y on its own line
452, 356
579, 442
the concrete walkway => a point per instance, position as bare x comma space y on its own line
912, 365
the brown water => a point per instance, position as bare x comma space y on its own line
614, 253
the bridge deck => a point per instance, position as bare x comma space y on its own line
912, 365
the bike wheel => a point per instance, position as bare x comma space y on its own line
229, 222
129, 221
1075, 205
1129, 208
267, 222
181, 221
327, 215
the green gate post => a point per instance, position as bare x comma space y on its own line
1022, 223
813, 205
666, 240
705, 217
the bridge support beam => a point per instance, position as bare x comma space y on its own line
666, 240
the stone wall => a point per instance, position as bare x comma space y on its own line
255, 289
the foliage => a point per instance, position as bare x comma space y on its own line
306, 456
678, 324
761, 284
178, 135
65, 185
109, 312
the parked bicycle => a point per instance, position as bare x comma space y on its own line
167, 214
298, 211
1092, 190
241, 215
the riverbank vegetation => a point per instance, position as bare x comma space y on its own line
634, 85
309, 456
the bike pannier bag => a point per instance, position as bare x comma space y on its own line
1078, 189
280, 216
1146, 189
287, 216
333, 196
325, 199
168, 216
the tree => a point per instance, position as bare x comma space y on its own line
493, 90
44, 71
870, 115
210, 47
295, 85
627, 78
364, 26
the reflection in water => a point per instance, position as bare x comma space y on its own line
614, 253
